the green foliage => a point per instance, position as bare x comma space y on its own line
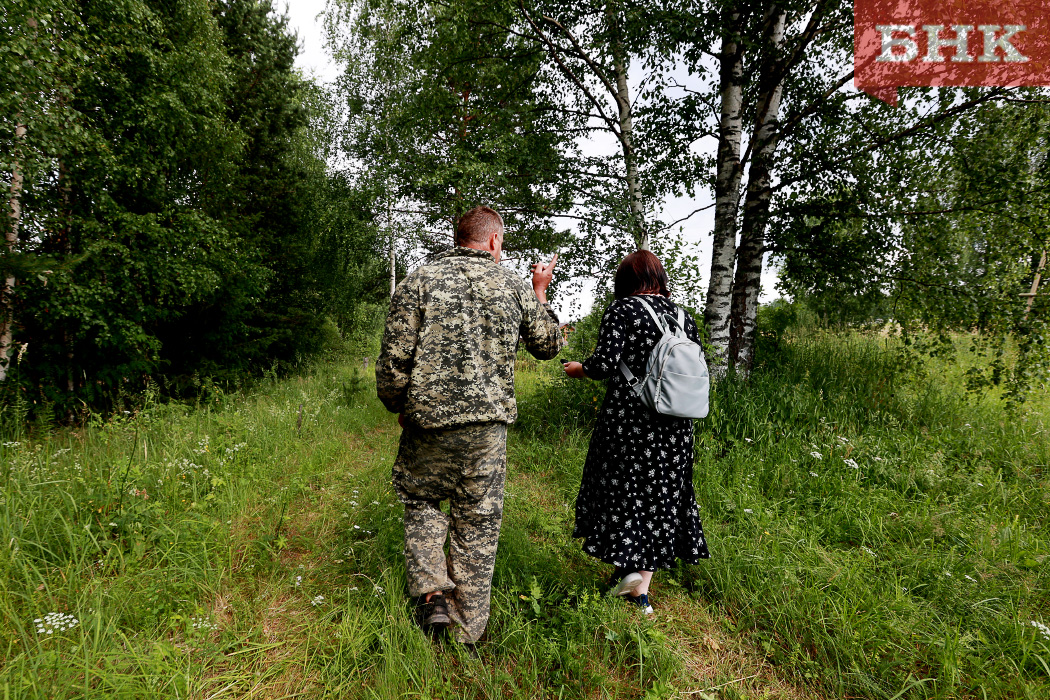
445, 113
950, 247
566, 405
178, 219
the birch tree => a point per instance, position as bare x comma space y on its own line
589, 46
784, 111
462, 124
7, 305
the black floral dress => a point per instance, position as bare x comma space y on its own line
636, 507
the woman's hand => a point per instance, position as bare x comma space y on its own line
574, 370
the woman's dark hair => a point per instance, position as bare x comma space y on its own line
641, 272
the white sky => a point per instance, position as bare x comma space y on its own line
304, 18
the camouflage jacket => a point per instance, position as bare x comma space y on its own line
451, 341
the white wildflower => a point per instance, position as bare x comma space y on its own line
851, 463
1043, 629
748, 439
203, 623
298, 581
814, 474
969, 578
816, 455
55, 622
748, 510
869, 551
318, 600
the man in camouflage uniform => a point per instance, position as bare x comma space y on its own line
447, 367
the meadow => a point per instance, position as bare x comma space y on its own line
875, 531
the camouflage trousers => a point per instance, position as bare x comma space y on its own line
467, 466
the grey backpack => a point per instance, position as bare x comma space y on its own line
676, 381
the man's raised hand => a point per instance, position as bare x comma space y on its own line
541, 277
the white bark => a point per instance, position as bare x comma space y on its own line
7, 302
393, 250
757, 203
634, 192
727, 194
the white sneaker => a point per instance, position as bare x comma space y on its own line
626, 585
642, 601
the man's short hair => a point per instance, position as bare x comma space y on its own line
478, 225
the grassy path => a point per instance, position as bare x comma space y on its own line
874, 535
251, 549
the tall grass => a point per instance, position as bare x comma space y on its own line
251, 547
875, 532
874, 529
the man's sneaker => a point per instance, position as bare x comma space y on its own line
627, 584
642, 601
433, 614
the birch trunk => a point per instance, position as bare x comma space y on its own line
727, 193
630, 158
7, 301
393, 263
748, 278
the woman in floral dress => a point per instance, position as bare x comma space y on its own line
636, 508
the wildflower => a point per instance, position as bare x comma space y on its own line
378, 591
203, 623
748, 510
748, 439
298, 581
979, 483
318, 600
843, 440
55, 622
816, 455
1043, 629
814, 474
851, 463
375, 503
869, 551
969, 578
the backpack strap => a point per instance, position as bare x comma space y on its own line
631, 381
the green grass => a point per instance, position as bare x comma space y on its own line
251, 547
874, 529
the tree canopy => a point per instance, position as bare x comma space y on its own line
169, 198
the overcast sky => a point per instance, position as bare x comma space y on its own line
304, 16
